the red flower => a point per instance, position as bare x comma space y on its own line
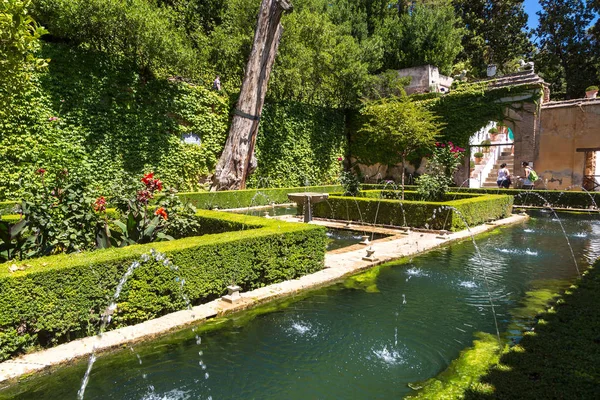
148, 178
40, 171
161, 212
339, 158
100, 204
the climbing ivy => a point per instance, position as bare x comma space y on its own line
102, 121
470, 107
298, 145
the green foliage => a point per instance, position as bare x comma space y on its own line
318, 63
429, 34
432, 186
249, 197
441, 167
19, 43
136, 29
591, 88
71, 291
298, 145
496, 33
384, 208
541, 198
392, 129
59, 215
137, 226
98, 119
12, 240
478, 154
181, 222
566, 55
470, 107
350, 182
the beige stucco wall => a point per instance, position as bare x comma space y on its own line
564, 129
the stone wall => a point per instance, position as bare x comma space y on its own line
566, 127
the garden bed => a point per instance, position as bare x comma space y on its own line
368, 207
54, 299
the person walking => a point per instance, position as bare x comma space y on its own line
503, 177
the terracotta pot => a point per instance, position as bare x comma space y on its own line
591, 94
478, 160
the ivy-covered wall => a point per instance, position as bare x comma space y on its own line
299, 145
104, 122
100, 120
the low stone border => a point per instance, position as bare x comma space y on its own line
337, 266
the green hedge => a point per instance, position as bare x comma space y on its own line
417, 214
59, 298
533, 198
249, 197
539, 198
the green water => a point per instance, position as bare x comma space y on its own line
341, 343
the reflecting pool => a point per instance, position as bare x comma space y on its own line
406, 324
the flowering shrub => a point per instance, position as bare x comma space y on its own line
61, 215
442, 165
446, 158
138, 224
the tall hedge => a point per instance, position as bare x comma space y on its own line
58, 298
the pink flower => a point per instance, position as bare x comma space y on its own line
339, 158
51, 119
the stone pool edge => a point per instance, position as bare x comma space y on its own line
338, 265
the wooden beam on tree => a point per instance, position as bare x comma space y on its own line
235, 163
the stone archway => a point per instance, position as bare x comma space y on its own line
522, 116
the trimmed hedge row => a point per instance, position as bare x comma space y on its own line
474, 210
533, 198
59, 298
249, 197
539, 198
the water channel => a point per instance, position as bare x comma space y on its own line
347, 341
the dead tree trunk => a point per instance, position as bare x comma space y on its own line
235, 163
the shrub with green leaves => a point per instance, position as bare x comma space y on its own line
57, 298
59, 215
375, 206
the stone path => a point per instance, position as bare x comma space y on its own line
338, 264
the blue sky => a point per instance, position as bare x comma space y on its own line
531, 6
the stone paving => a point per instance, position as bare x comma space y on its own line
338, 264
